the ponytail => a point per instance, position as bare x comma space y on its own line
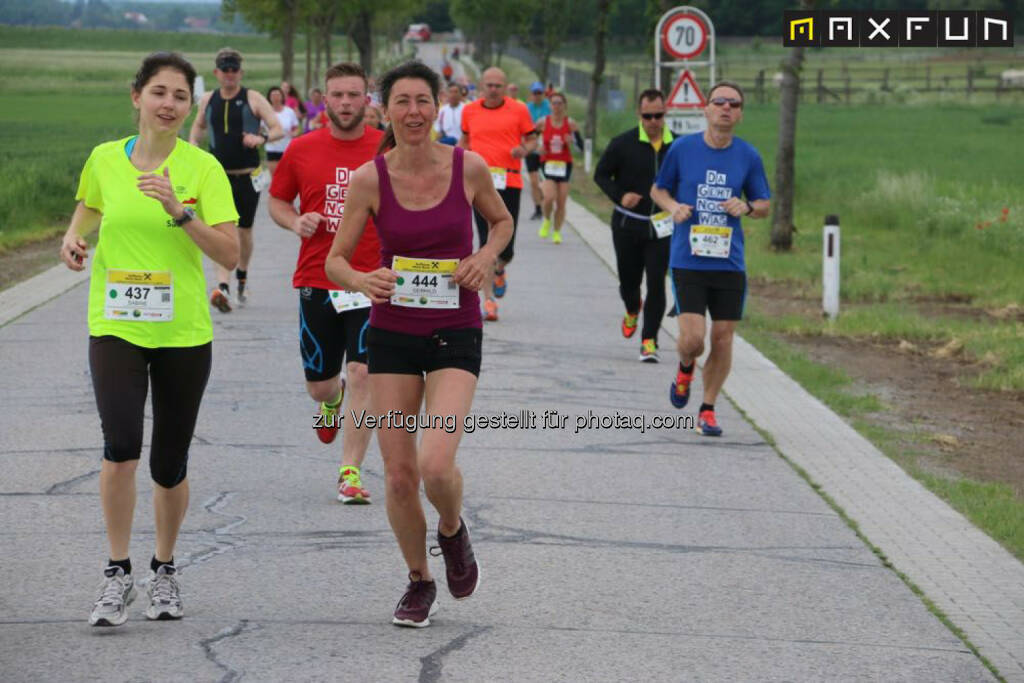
388, 141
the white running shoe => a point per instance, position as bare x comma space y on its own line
116, 593
164, 594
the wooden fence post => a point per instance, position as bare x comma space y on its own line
885, 81
821, 87
759, 85
928, 78
970, 81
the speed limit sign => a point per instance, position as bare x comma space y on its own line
684, 35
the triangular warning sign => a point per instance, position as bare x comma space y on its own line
686, 94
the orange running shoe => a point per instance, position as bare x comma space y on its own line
491, 310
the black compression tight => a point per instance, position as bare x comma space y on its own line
121, 375
635, 255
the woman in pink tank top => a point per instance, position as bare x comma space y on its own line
425, 327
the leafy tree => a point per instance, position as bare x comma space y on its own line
600, 32
279, 17
546, 23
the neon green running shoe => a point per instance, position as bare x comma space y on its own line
545, 229
350, 487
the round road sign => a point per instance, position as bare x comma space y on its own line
684, 36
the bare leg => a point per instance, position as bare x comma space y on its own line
449, 393
719, 361
690, 343
117, 493
560, 201
398, 450
550, 192
538, 197
356, 440
169, 507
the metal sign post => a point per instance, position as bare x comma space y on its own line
684, 39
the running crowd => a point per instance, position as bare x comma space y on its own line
389, 284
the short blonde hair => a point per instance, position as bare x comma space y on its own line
227, 53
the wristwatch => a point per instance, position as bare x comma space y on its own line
750, 208
187, 215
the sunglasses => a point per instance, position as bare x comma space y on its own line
731, 101
653, 117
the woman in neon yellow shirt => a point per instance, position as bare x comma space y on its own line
161, 204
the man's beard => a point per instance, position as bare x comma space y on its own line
356, 119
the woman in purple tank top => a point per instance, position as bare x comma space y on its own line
425, 335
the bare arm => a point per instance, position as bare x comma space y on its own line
464, 141
219, 242
362, 201
261, 107
285, 215
74, 249
195, 135
735, 206
661, 197
472, 271
528, 146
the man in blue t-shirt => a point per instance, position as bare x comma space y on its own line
539, 108
701, 183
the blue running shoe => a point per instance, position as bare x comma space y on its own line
500, 285
679, 390
707, 424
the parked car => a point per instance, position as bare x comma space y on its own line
418, 33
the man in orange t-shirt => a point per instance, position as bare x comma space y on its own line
499, 129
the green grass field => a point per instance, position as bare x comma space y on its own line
66, 91
113, 40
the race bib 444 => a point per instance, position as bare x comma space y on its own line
425, 283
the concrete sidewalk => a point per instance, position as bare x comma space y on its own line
607, 554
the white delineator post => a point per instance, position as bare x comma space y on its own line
830, 267
200, 88
588, 154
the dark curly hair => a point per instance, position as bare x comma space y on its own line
411, 69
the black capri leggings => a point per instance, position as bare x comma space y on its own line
121, 374
638, 252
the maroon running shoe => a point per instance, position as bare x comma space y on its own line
418, 603
461, 566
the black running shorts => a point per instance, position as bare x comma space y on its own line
409, 354
721, 293
246, 198
532, 162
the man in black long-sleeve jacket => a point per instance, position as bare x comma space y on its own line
625, 173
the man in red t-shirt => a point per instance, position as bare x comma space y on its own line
499, 129
332, 323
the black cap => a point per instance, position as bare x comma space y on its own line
229, 62
832, 219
